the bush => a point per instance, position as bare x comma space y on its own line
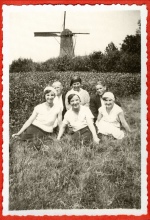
81, 63
97, 61
111, 61
62, 64
22, 65
130, 63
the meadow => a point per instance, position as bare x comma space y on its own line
67, 175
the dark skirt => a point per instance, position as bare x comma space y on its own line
33, 132
83, 134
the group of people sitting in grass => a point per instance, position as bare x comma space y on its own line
85, 117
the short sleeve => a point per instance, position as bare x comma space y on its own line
58, 109
36, 109
118, 109
88, 113
66, 100
87, 96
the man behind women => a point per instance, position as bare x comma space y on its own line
96, 100
60, 97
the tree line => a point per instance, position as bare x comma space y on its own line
125, 59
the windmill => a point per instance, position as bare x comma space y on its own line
66, 39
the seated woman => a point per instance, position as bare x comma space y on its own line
42, 119
80, 119
111, 118
96, 100
76, 86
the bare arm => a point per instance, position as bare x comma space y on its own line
61, 131
92, 129
66, 102
59, 119
87, 100
26, 124
99, 117
123, 122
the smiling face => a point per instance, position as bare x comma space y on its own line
100, 89
109, 103
49, 97
75, 102
76, 86
58, 87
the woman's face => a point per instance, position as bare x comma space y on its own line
49, 97
75, 102
76, 86
100, 89
109, 103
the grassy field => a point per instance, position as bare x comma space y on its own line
68, 176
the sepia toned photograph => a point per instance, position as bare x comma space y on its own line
74, 96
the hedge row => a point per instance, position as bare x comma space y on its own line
26, 89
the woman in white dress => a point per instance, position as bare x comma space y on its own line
111, 118
42, 120
80, 118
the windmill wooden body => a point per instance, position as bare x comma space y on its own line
66, 39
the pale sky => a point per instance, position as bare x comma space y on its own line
104, 25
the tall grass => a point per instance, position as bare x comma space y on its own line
67, 175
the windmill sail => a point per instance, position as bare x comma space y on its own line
46, 34
66, 39
80, 33
64, 20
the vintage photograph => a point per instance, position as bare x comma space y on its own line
74, 81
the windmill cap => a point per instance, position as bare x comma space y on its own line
66, 32
75, 79
108, 95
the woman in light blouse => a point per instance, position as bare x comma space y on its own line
76, 86
42, 120
80, 118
